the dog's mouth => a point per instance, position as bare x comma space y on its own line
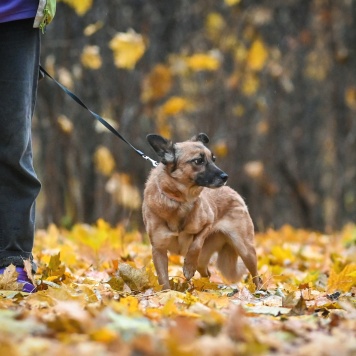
218, 185
216, 181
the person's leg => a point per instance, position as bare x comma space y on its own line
19, 186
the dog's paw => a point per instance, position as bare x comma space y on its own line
258, 282
189, 270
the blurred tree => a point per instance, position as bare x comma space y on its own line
272, 83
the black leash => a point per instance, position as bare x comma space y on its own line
99, 118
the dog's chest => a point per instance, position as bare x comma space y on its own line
184, 221
184, 225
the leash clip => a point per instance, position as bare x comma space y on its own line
154, 163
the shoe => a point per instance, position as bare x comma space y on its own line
22, 278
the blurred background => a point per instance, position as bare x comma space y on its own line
273, 84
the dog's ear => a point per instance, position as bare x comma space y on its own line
202, 137
163, 148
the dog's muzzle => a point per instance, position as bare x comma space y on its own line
212, 178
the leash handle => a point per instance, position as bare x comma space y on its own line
98, 117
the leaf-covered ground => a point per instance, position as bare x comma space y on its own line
98, 295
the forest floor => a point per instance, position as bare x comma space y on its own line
98, 295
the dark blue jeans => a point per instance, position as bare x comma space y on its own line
19, 186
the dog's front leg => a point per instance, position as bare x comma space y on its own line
160, 261
192, 256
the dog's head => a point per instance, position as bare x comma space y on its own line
190, 162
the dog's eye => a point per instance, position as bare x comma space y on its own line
198, 161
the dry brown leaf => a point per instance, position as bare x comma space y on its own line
8, 280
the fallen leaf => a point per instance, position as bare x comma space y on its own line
136, 279
8, 280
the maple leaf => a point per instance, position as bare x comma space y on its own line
8, 280
54, 272
343, 280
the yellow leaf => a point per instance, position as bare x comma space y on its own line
257, 55
152, 278
157, 84
69, 255
213, 300
128, 48
79, 6
317, 65
104, 161
91, 58
202, 284
214, 25
174, 106
250, 84
175, 259
232, 2
282, 255
350, 97
238, 110
220, 148
250, 285
241, 52
344, 280
129, 304
92, 28
54, 262
116, 283
189, 299
55, 269
201, 61
170, 308
165, 131
104, 335
65, 124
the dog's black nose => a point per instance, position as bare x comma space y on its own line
224, 177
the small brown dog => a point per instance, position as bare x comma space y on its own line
188, 210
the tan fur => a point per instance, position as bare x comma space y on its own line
196, 221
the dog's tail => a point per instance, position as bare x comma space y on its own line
228, 264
